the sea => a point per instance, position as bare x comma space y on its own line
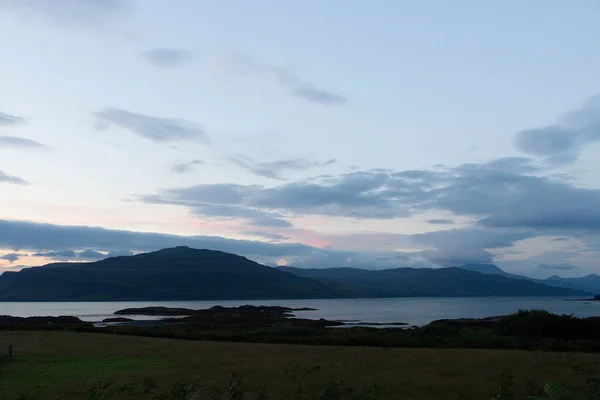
413, 311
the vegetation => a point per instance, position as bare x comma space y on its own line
71, 365
426, 282
62, 356
182, 273
525, 330
171, 274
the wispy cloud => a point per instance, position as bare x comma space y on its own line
36, 236
157, 129
267, 235
557, 267
5, 178
503, 193
563, 142
12, 257
70, 12
13, 141
244, 65
51, 239
166, 57
306, 90
91, 255
185, 167
275, 169
7, 119
58, 255
440, 221
71, 255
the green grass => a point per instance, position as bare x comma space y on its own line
49, 365
40, 375
32, 372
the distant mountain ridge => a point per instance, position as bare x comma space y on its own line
179, 273
490, 269
589, 283
427, 282
183, 273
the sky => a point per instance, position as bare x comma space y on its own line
376, 134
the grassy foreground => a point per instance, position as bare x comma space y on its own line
62, 364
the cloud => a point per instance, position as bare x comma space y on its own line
87, 255
121, 253
245, 65
157, 129
219, 200
166, 57
274, 169
12, 141
8, 120
5, 178
563, 142
255, 217
185, 167
442, 250
508, 200
479, 190
70, 12
12, 257
560, 239
355, 197
266, 235
49, 240
440, 221
306, 90
57, 255
557, 267
91, 255
456, 247
458, 257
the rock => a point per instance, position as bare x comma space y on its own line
61, 320
156, 311
118, 319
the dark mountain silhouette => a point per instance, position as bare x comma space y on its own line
178, 273
182, 273
446, 282
489, 269
589, 283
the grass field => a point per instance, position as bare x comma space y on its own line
50, 364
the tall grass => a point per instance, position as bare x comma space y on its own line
237, 389
295, 388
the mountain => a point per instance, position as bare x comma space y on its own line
425, 282
489, 269
178, 273
589, 283
183, 273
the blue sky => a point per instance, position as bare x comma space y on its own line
339, 133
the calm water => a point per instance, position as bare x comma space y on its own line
415, 311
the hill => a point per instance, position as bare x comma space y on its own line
183, 273
178, 273
589, 283
425, 282
489, 269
